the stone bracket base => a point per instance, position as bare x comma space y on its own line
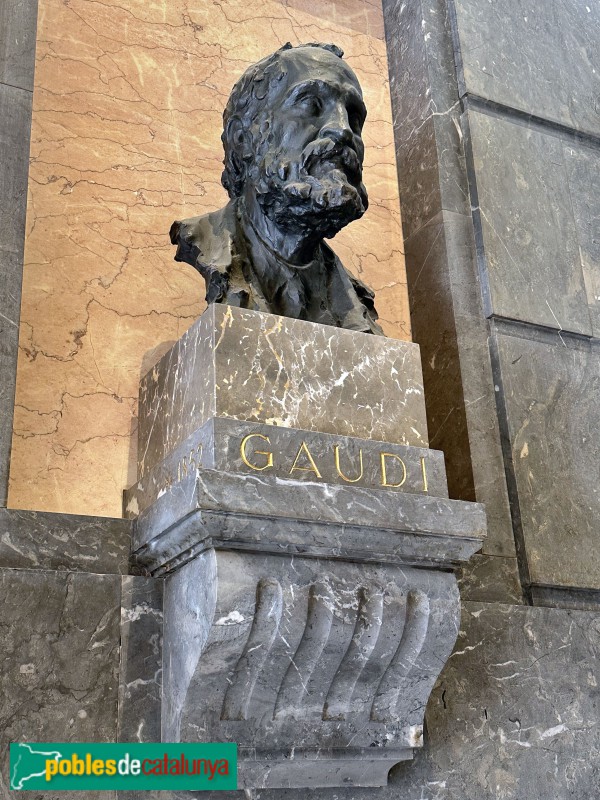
319, 669
313, 770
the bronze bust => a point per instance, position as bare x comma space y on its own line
293, 170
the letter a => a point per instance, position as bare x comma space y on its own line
313, 467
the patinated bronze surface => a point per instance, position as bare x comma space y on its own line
293, 171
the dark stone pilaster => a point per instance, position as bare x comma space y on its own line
497, 115
17, 56
444, 290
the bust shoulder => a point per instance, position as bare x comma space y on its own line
205, 241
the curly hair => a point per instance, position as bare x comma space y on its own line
246, 101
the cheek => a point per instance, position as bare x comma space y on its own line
292, 135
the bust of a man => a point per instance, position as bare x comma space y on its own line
293, 170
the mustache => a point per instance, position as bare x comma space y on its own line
328, 149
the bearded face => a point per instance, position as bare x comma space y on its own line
304, 151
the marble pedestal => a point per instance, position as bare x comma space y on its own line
309, 597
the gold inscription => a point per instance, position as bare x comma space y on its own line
266, 453
384, 476
188, 464
424, 473
336, 456
313, 467
392, 466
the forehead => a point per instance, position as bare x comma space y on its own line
310, 63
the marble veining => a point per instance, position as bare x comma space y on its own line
274, 370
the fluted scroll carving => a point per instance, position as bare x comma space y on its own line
318, 659
387, 680
312, 644
414, 632
366, 633
262, 634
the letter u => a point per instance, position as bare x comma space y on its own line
336, 456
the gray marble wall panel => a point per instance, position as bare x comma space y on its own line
60, 659
550, 392
541, 57
15, 123
490, 579
523, 214
515, 713
279, 371
18, 22
583, 170
40, 540
140, 681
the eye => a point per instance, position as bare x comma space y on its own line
310, 104
356, 118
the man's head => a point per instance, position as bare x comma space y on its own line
292, 137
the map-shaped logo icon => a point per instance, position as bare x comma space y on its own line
27, 762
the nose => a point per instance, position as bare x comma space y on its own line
336, 125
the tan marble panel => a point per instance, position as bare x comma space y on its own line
126, 125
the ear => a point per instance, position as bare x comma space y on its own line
239, 136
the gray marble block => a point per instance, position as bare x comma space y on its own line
60, 661
550, 392
44, 541
583, 168
140, 680
278, 371
229, 445
529, 251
